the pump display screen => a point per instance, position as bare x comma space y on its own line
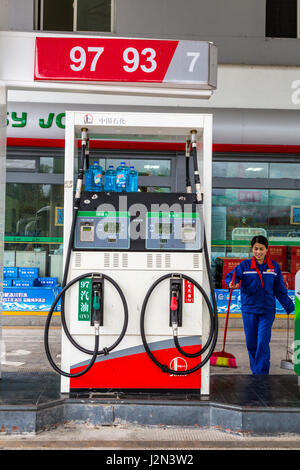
163, 228
163, 222
112, 227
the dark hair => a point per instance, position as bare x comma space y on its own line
259, 239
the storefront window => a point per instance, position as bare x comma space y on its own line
238, 215
21, 164
34, 227
144, 167
256, 169
154, 174
151, 167
265, 210
287, 170
240, 169
51, 165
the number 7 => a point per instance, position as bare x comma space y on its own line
195, 56
98, 51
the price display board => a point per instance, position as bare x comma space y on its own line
153, 61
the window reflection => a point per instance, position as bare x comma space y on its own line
51, 165
30, 209
20, 164
256, 170
144, 167
266, 210
286, 170
240, 169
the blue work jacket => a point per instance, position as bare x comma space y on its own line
261, 284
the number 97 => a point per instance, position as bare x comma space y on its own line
78, 55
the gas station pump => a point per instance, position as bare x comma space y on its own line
138, 307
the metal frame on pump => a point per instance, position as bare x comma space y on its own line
134, 280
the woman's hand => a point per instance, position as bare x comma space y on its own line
234, 286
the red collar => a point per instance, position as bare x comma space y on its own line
253, 265
266, 260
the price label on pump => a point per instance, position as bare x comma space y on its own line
84, 299
134, 60
188, 292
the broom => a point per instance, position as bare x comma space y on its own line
223, 359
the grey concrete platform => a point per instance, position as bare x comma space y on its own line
239, 405
255, 405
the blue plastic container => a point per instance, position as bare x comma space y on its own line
28, 272
23, 282
122, 176
47, 281
94, 177
110, 179
132, 186
10, 272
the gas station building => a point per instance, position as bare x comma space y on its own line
256, 143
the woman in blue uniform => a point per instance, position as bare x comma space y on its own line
261, 283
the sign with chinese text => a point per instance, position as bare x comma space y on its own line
84, 300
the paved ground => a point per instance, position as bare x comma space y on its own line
24, 350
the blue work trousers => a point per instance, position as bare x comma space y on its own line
258, 336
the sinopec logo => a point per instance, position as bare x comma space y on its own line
178, 364
88, 119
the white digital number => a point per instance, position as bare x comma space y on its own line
195, 56
132, 58
150, 59
98, 51
80, 58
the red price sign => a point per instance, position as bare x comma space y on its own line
126, 60
103, 59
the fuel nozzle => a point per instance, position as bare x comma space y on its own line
174, 312
84, 138
97, 303
175, 304
196, 170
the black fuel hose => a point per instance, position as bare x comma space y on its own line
205, 247
211, 341
213, 333
125, 323
95, 352
46, 341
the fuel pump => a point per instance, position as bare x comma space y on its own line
137, 295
